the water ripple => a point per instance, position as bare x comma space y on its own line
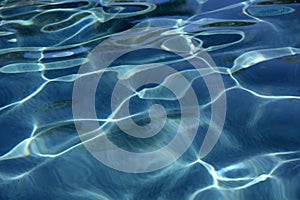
255, 46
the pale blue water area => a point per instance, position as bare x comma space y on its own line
248, 93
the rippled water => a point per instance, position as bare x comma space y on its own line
253, 46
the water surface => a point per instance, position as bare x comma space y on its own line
255, 48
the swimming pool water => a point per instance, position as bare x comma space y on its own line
152, 99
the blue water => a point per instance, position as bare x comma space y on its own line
154, 99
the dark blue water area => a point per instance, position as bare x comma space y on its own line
154, 99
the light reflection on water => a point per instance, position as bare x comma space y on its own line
255, 45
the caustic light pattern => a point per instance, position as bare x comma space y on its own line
253, 47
